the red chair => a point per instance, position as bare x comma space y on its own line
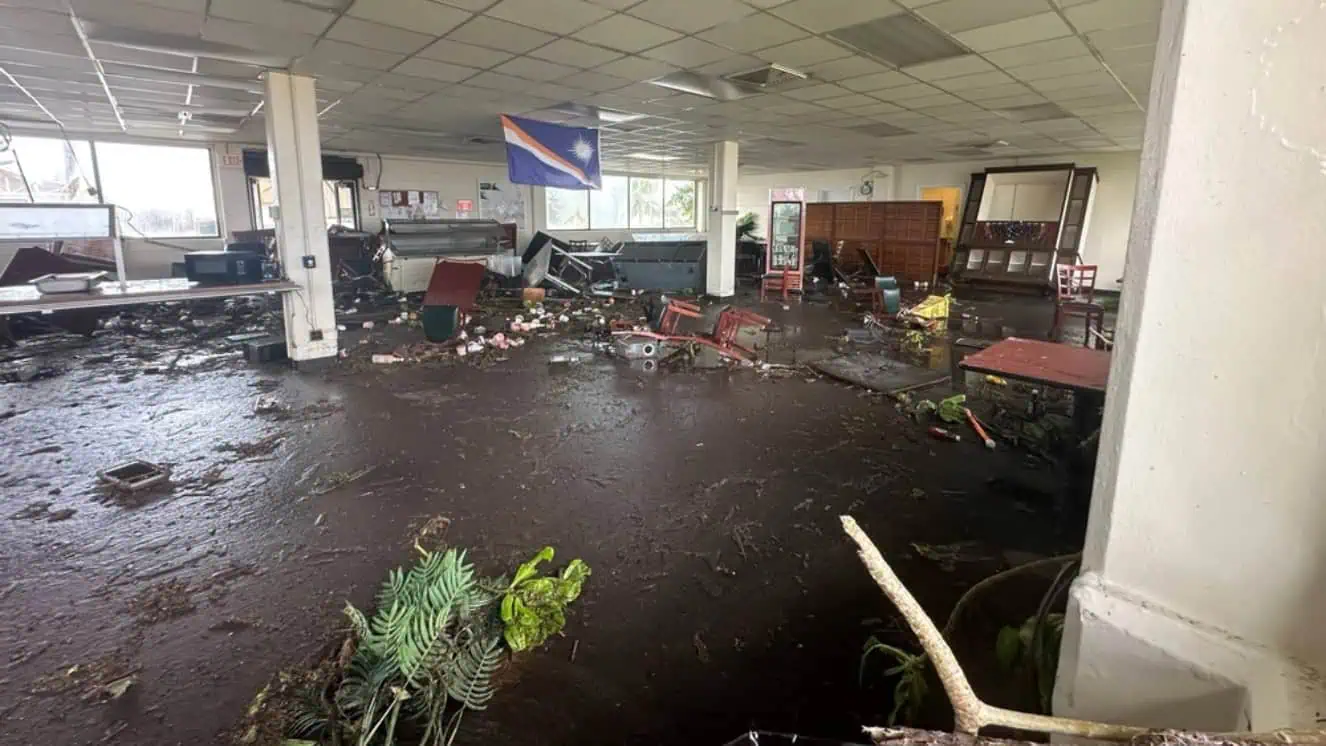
674, 312
1076, 298
776, 281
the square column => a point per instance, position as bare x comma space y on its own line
721, 256
1201, 600
295, 157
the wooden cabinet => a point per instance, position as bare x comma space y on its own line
902, 238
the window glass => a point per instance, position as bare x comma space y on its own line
646, 203
608, 206
568, 209
56, 171
679, 208
163, 190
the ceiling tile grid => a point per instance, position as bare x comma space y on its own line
972, 69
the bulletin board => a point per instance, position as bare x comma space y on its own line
409, 205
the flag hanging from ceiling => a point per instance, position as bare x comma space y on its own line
551, 154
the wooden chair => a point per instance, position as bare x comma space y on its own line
674, 312
1075, 297
777, 281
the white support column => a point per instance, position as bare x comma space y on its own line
1201, 600
295, 156
721, 257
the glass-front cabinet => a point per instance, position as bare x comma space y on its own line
787, 229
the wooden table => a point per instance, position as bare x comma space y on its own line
1081, 370
25, 298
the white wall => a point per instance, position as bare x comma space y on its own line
451, 180
1207, 534
821, 186
1107, 241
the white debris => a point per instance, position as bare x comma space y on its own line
387, 359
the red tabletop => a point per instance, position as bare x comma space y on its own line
1069, 366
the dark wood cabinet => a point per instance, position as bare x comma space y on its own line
902, 238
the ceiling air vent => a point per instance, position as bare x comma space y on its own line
481, 140
769, 76
880, 129
899, 40
1036, 113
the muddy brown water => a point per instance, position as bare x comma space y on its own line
723, 598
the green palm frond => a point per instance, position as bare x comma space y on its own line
473, 684
391, 589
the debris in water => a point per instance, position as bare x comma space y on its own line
92, 678
701, 650
162, 601
387, 359
918, 493
948, 555
575, 646
431, 535
338, 479
742, 537
134, 476
318, 521
263, 447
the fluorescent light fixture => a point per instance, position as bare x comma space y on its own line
618, 117
707, 86
651, 157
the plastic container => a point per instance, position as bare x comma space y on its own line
886, 283
892, 299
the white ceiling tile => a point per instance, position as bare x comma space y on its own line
532, 69
876, 82
1110, 14
377, 36
138, 15
735, 64
1041, 51
1015, 33
979, 81
688, 53
690, 15
575, 53
787, 107
330, 50
636, 69
324, 69
258, 37
425, 68
457, 53
843, 69
32, 19
405, 82
500, 82
874, 108
588, 80
557, 16
950, 68
508, 37
626, 33
474, 5
276, 13
1070, 66
996, 91
1076, 81
1125, 37
423, 16
1009, 102
907, 92
753, 32
815, 92
825, 15
964, 15
804, 52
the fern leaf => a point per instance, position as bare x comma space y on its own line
358, 623
391, 588
472, 684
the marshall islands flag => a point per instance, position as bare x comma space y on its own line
551, 154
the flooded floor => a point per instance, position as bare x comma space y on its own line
724, 597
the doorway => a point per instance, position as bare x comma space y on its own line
951, 196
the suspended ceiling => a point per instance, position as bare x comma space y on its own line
889, 81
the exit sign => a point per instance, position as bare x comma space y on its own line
464, 205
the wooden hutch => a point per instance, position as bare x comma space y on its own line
1018, 223
901, 238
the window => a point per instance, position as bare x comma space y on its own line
608, 207
624, 202
55, 170
164, 190
568, 209
646, 203
340, 203
679, 207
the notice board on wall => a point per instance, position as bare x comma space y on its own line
409, 205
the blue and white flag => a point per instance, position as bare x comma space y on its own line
551, 154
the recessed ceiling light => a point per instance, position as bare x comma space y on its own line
651, 157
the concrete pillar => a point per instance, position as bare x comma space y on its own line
721, 258
295, 157
1201, 598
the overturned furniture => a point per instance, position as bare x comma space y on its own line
410, 248
723, 339
1019, 222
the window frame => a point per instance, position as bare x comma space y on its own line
134, 232
692, 227
94, 178
255, 202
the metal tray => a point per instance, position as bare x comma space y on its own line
69, 282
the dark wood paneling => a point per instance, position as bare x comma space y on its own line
901, 237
